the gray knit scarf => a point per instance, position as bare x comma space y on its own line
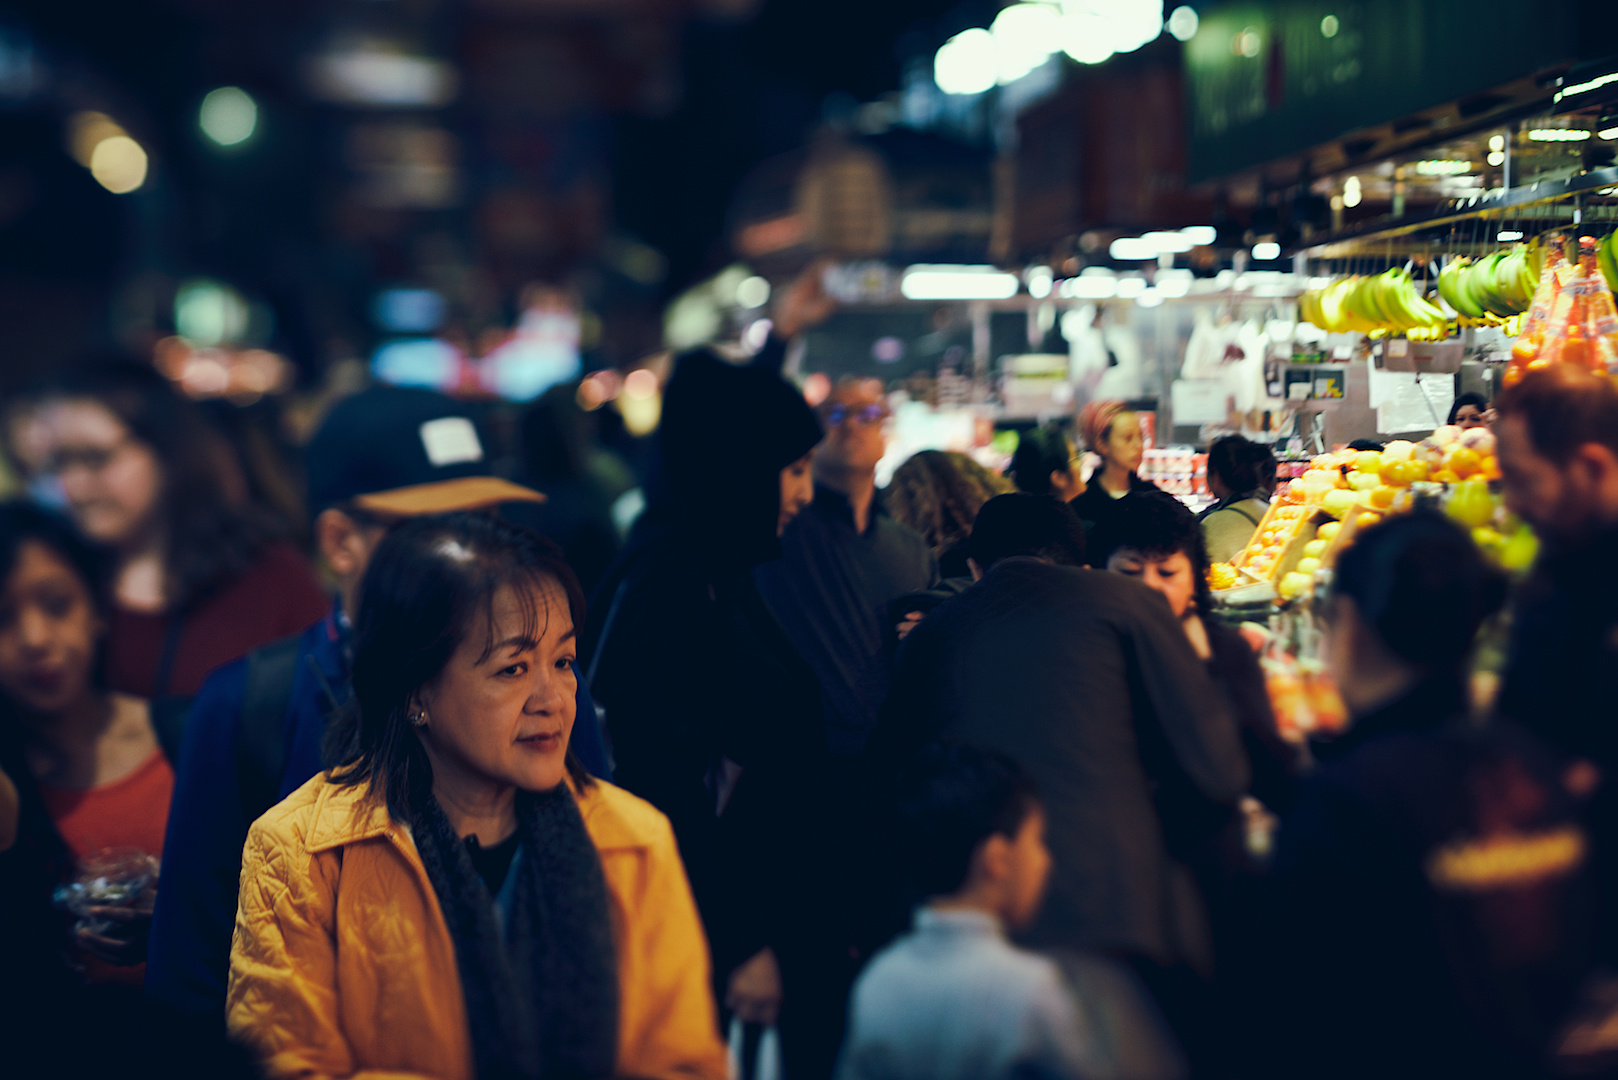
543, 999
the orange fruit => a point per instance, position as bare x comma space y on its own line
1444, 476
1404, 473
1464, 461
1382, 497
1491, 468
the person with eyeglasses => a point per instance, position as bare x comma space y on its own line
201, 574
844, 561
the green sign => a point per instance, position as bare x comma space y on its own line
1268, 80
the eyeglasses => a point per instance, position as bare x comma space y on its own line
874, 413
90, 458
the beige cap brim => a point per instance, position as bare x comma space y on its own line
446, 496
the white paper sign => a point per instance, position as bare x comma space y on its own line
1200, 401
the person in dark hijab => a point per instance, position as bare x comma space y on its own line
714, 716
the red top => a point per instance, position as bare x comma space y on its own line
130, 812
279, 595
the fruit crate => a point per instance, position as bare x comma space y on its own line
1289, 555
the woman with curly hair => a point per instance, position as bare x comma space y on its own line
938, 493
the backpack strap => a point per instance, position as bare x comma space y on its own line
1243, 513
261, 733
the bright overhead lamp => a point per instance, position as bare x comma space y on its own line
940, 282
378, 76
1266, 251
1608, 133
1558, 134
1040, 280
1127, 248
1090, 288
1169, 243
1130, 287
1442, 167
1200, 235
1174, 283
1508, 235
1149, 297
967, 63
1025, 36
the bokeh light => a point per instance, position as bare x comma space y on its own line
119, 164
1183, 23
967, 63
1024, 35
753, 292
228, 116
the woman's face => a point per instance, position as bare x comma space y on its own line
111, 480
48, 631
797, 491
1469, 416
505, 718
1172, 575
1125, 445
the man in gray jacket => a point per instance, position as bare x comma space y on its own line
1086, 680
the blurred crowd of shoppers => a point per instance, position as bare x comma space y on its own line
961, 778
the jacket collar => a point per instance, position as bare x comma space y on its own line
349, 814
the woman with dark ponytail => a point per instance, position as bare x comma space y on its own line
1430, 896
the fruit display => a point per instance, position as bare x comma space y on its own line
1573, 319
1385, 302
1501, 284
1320, 511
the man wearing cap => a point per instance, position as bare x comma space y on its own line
256, 728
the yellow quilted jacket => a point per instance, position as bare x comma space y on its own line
342, 964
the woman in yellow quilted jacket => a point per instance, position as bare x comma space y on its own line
458, 898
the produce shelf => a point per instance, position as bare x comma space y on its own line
1514, 204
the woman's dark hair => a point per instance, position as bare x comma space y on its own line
431, 583
1420, 583
1241, 464
949, 799
214, 535
21, 522
1158, 526
1471, 397
1040, 452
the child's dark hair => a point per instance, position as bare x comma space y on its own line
1421, 585
1041, 526
950, 799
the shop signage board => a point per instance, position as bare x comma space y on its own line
1268, 80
